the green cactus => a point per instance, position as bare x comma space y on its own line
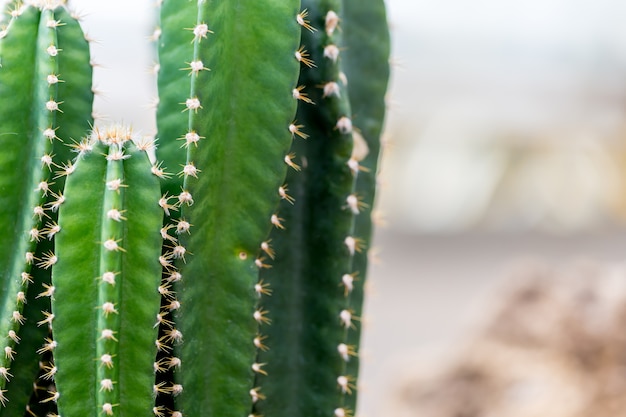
324, 247
108, 252
45, 82
210, 281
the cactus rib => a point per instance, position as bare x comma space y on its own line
230, 217
317, 249
365, 28
112, 261
35, 47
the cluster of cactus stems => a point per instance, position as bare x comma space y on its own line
218, 269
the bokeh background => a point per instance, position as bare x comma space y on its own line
504, 156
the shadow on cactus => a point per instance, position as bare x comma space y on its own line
223, 276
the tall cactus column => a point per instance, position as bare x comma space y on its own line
318, 273
46, 78
106, 276
365, 28
236, 94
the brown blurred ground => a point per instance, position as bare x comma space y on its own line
435, 293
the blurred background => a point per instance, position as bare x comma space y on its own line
503, 187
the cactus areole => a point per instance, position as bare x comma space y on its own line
223, 277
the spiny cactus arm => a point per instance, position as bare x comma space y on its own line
18, 178
177, 49
33, 51
143, 272
312, 313
74, 89
176, 52
27, 363
365, 28
242, 108
106, 278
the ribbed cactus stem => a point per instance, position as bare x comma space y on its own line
336, 97
315, 274
364, 27
236, 138
106, 336
18, 271
36, 45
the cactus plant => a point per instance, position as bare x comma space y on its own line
152, 285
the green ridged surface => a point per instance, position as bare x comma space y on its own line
247, 107
365, 28
74, 69
23, 80
18, 177
81, 291
311, 256
175, 52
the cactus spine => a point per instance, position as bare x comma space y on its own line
203, 311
